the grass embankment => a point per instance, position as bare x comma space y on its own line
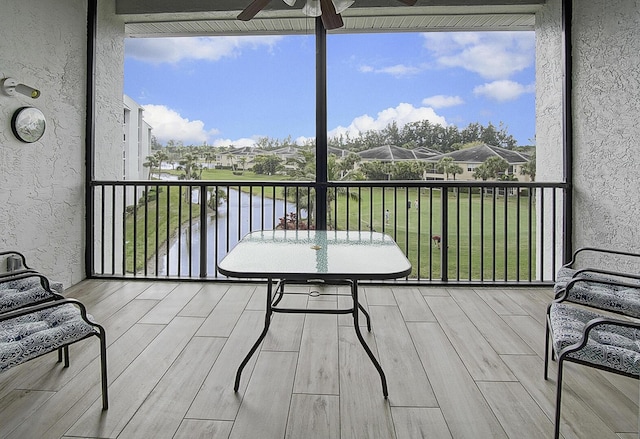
151, 225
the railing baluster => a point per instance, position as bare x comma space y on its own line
444, 236
518, 228
457, 192
204, 252
470, 242
506, 234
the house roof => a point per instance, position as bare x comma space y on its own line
480, 153
340, 153
391, 153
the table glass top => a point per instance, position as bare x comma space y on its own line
316, 254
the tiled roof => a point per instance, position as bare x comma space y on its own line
480, 153
392, 153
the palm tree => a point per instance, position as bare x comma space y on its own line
152, 161
306, 170
190, 166
162, 157
529, 168
446, 166
243, 162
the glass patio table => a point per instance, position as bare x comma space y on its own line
308, 256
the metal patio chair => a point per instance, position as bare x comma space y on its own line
33, 331
592, 338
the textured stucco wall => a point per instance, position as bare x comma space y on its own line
549, 110
606, 96
42, 185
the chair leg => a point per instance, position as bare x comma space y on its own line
103, 369
556, 432
66, 356
546, 350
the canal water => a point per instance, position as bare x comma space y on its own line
240, 214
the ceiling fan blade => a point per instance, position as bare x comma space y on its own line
250, 11
409, 2
330, 18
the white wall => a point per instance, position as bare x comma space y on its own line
606, 57
549, 113
42, 184
605, 96
136, 141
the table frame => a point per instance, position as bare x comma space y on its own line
273, 300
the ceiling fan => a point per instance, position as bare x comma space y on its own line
328, 10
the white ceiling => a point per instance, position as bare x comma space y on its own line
163, 18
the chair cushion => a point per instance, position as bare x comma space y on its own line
565, 275
30, 282
26, 337
15, 294
616, 298
609, 345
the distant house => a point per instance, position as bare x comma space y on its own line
470, 158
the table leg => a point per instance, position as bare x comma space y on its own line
366, 314
383, 378
279, 292
267, 322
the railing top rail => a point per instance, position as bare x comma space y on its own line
367, 183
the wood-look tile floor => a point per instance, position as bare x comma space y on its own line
460, 363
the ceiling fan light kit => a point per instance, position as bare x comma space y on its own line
329, 10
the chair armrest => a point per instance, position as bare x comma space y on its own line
609, 272
593, 324
18, 254
40, 307
562, 294
607, 251
44, 281
10, 274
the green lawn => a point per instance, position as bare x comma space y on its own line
471, 231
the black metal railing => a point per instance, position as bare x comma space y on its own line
451, 231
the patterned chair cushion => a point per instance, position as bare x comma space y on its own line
612, 346
565, 274
15, 294
29, 336
616, 298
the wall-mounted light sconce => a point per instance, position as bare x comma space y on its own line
10, 87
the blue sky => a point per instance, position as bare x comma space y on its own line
233, 90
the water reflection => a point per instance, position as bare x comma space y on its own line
240, 214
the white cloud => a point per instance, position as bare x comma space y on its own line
175, 50
503, 90
167, 124
397, 70
493, 55
442, 101
238, 143
402, 114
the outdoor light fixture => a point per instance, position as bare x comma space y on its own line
313, 9
11, 86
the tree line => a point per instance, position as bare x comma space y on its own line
191, 160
